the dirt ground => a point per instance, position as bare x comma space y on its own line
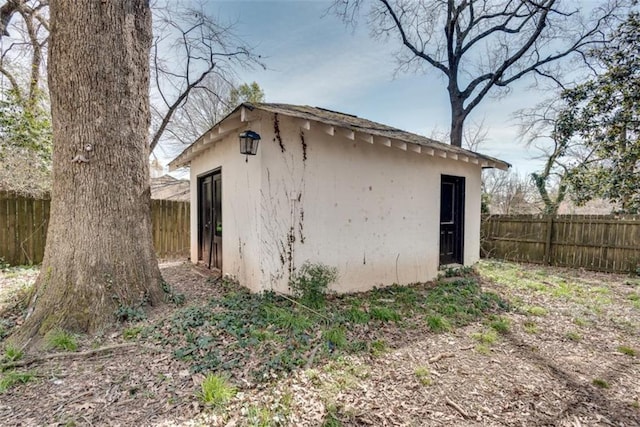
570, 356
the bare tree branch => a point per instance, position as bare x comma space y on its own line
6, 13
205, 48
481, 46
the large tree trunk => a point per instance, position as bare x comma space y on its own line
99, 254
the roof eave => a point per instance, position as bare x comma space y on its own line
240, 115
228, 124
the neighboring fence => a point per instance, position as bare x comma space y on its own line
602, 242
23, 228
170, 221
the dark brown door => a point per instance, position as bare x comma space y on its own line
451, 219
210, 220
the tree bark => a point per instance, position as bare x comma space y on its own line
458, 117
99, 254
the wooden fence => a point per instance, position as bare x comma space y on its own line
603, 242
23, 228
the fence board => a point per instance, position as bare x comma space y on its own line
24, 223
603, 243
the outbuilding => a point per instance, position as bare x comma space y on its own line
380, 204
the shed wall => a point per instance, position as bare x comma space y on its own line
370, 210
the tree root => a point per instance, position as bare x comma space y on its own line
71, 354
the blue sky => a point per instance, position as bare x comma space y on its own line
312, 58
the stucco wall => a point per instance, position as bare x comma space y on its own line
371, 211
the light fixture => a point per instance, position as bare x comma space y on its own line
249, 143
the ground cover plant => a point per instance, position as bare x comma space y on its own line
259, 337
532, 345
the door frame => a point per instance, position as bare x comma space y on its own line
459, 217
199, 179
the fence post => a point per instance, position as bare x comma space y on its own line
548, 242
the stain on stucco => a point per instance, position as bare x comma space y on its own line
276, 132
304, 146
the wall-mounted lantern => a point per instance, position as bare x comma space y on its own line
249, 143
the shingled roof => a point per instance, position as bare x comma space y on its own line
355, 126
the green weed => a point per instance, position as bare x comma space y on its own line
355, 315
331, 418
216, 391
336, 337
537, 311
573, 336
227, 332
483, 349
487, 337
9, 379
423, 375
378, 347
385, 314
132, 332
438, 323
629, 351
404, 295
600, 383
59, 339
285, 318
501, 325
580, 321
171, 295
263, 335
462, 301
530, 327
259, 416
12, 353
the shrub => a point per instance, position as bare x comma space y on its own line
310, 283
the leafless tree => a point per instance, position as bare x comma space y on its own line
483, 45
205, 108
193, 57
192, 53
27, 24
509, 193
